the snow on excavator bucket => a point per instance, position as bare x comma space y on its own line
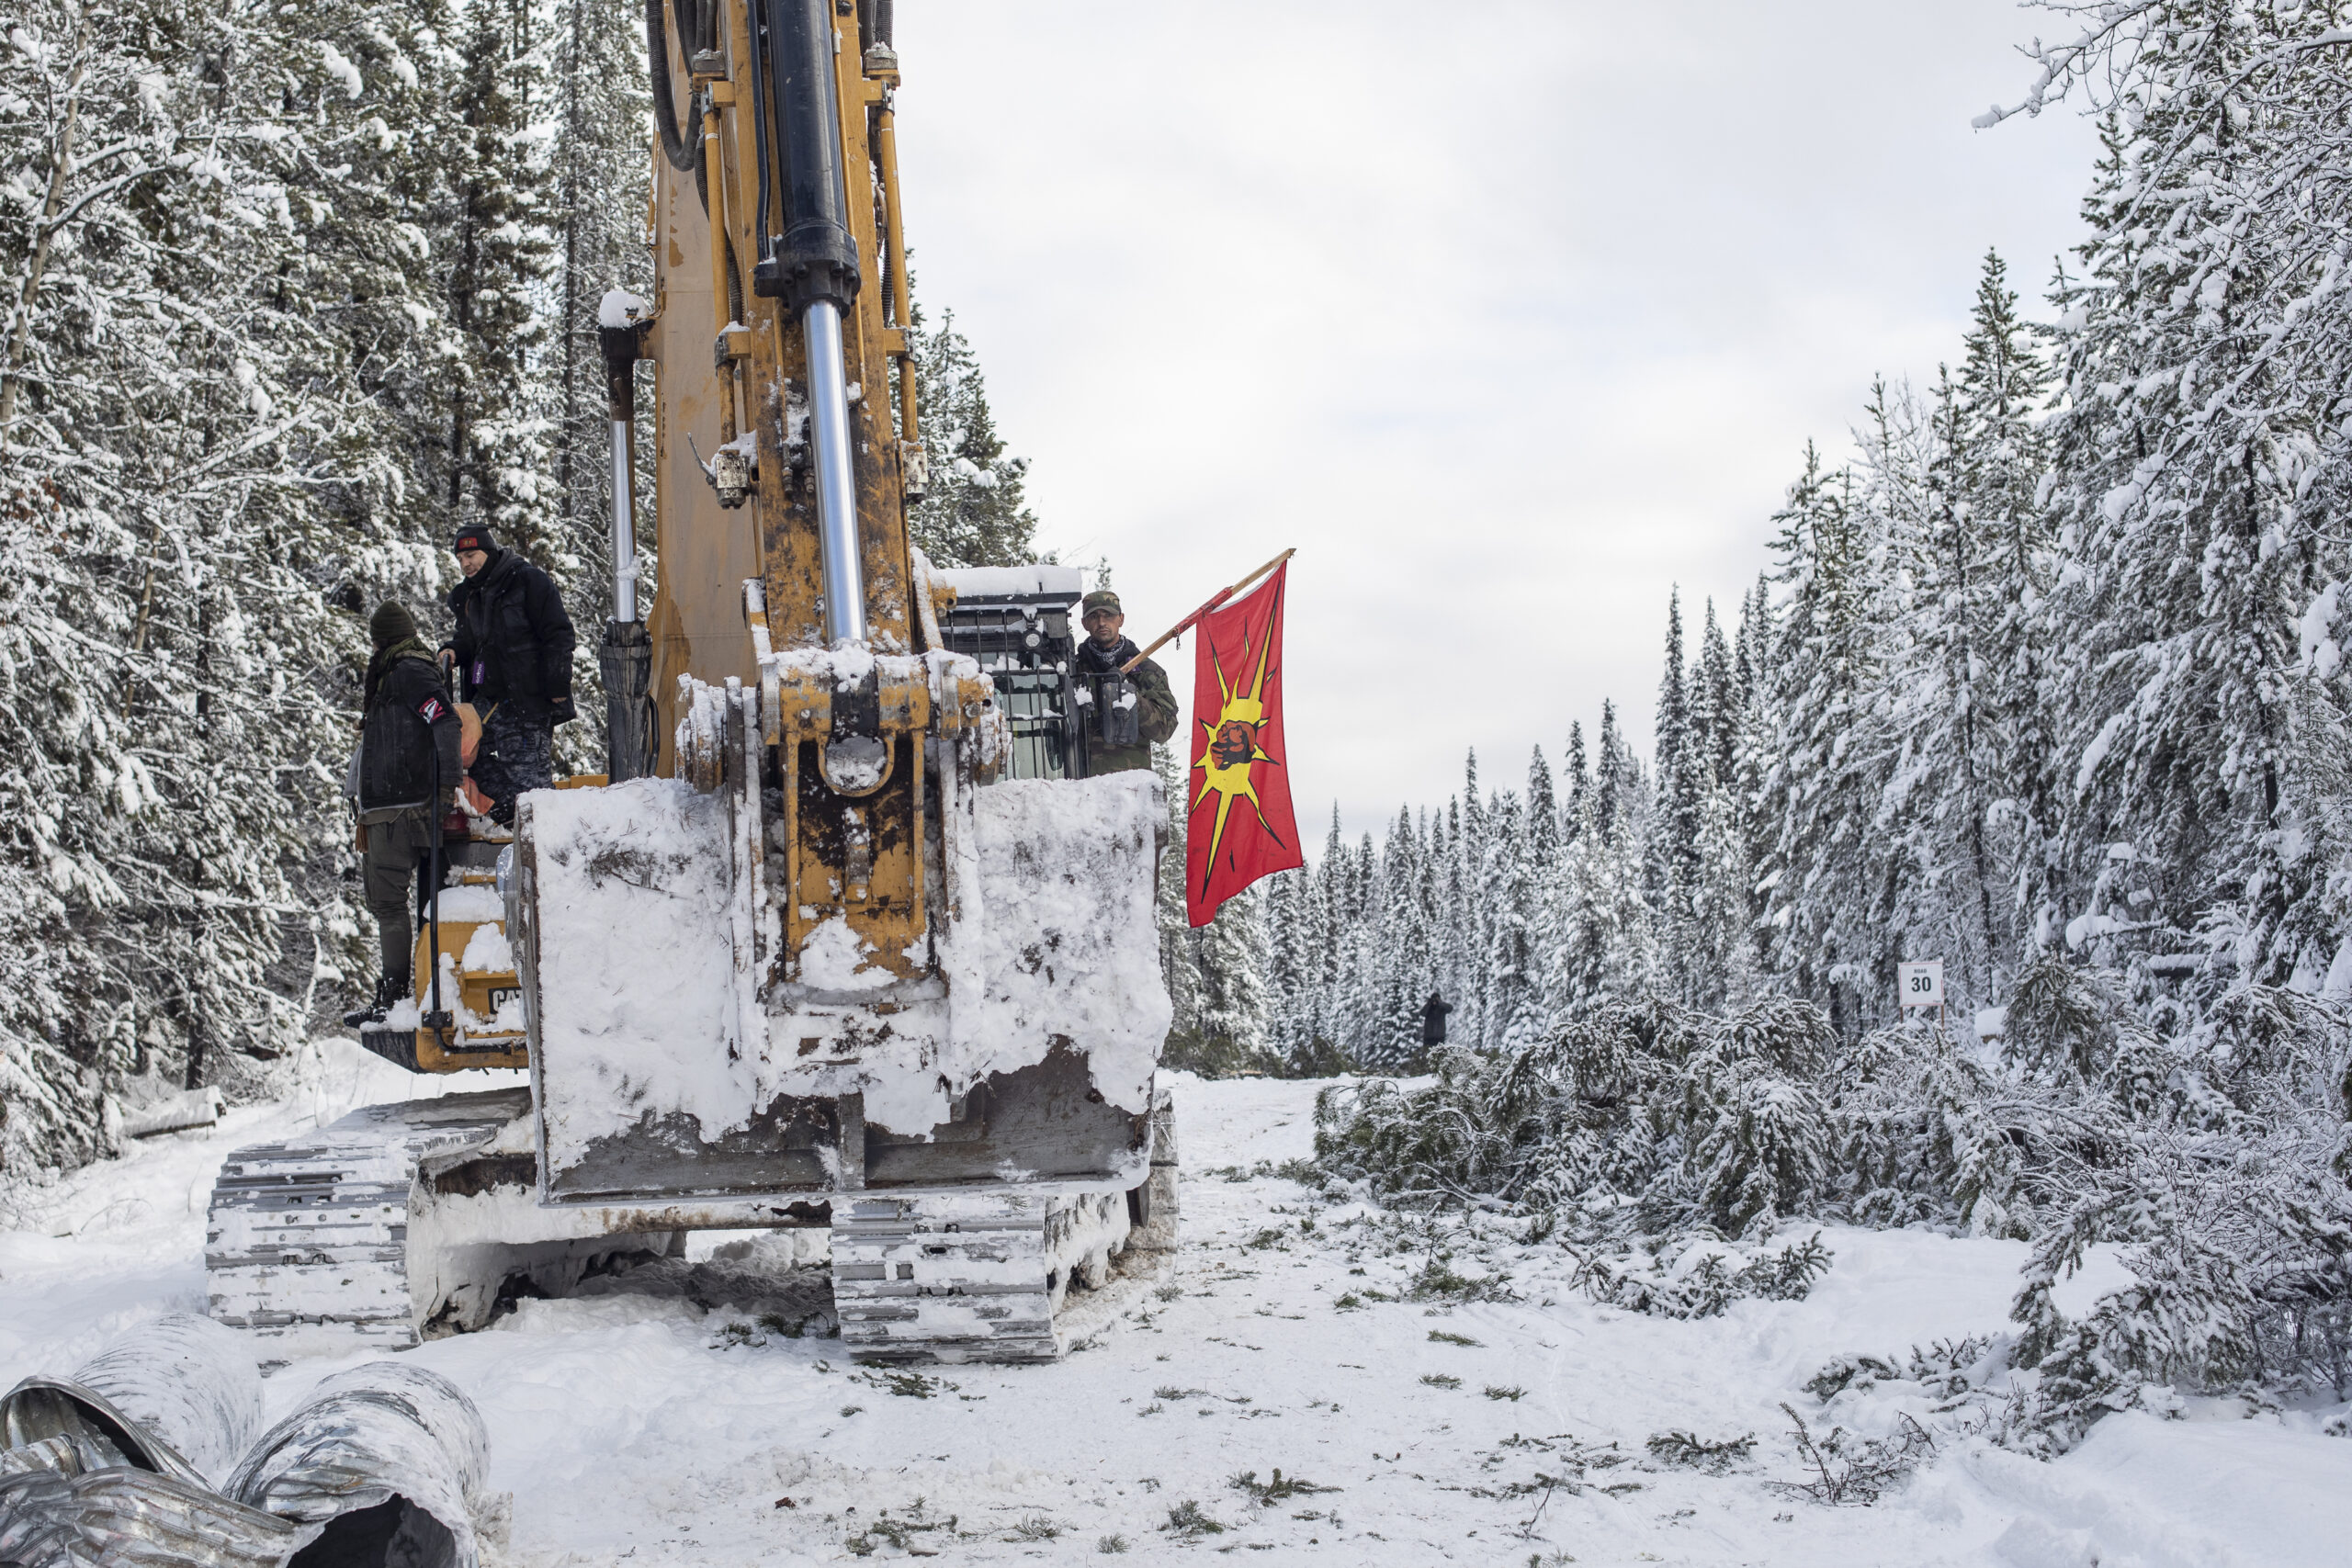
677, 1049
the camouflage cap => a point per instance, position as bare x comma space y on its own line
1100, 599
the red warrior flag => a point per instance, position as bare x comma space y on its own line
1239, 826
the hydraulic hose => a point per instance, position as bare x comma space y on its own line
755, 29
812, 268
814, 257
683, 156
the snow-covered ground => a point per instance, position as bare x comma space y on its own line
640, 1428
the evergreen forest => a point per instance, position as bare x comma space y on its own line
2045, 681
292, 291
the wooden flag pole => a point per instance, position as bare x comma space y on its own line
1172, 633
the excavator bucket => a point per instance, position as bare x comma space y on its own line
674, 1055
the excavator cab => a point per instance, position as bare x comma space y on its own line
1019, 625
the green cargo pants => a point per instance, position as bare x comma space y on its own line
390, 869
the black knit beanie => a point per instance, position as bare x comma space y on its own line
391, 625
472, 539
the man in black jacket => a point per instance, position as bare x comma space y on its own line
513, 652
408, 743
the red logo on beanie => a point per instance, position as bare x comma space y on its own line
469, 542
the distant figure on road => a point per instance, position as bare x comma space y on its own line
1434, 1014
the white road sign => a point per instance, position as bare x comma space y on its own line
1922, 984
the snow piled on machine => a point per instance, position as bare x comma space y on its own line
1066, 942
640, 988
634, 962
1012, 581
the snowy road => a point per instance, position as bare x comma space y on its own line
640, 1430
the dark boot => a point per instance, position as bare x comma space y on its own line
391, 989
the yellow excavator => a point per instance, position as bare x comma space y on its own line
843, 938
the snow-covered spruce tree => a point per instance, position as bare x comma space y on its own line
1346, 896
1817, 796
1404, 974
68, 767
1576, 783
2186, 462
1751, 758
2215, 1158
1611, 810
1514, 1003
1362, 1023
1696, 871
1546, 852
1308, 1046
1702, 1122
172, 407
1445, 897
499, 256
1756, 1128
1285, 988
1705, 948
1715, 700
1233, 982
55, 743
1666, 862
375, 98
1330, 928
1910, 741
1451, 893
1997, 460
1602, 928
1927, 1133
1721, 962
975, 512
1472, 911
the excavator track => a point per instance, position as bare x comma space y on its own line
947, 1280
312, 1234
374, 1232
976, 1278
982, 1276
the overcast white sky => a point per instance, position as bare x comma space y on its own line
1510, 316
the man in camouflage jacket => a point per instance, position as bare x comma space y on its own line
1100, 654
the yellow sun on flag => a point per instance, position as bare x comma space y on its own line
1233, 749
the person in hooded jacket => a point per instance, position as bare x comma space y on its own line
512, 650
410, 742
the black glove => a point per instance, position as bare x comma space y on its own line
562, 710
